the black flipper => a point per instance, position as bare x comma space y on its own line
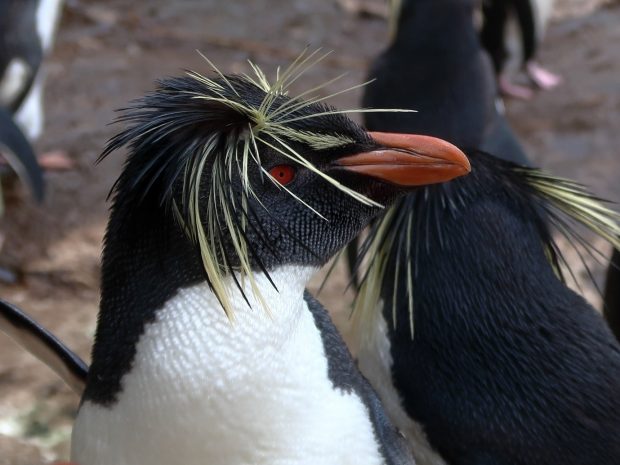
345, 376
19, 154
611, 308
45, 346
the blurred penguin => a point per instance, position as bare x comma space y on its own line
27, 29
517, 27
436, 65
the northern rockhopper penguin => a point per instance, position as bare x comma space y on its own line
436, 65
470, 335
208, 349
528, 19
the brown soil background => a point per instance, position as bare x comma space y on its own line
110, 52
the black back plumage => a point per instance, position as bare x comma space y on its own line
506, 365
437, 66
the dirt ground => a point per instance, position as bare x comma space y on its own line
107, 55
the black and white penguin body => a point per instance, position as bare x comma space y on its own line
206, 349
260, 390
27, 30
476, 338
436, 65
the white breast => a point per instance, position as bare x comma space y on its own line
205, 391
12, 83
375, 362
29, 116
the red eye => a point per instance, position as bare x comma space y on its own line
284, 174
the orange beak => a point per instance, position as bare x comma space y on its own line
408, 160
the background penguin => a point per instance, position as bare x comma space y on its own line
436, 65
17, 152
27, 29
611, 299
233, 194
528, 19
26, 33
467, 330
432, 39
20, 156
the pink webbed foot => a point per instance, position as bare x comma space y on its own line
542, 77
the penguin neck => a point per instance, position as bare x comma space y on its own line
430, 27
148, 262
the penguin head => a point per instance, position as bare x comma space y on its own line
256, 178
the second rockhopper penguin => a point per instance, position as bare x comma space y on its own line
471, 337
611, 301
